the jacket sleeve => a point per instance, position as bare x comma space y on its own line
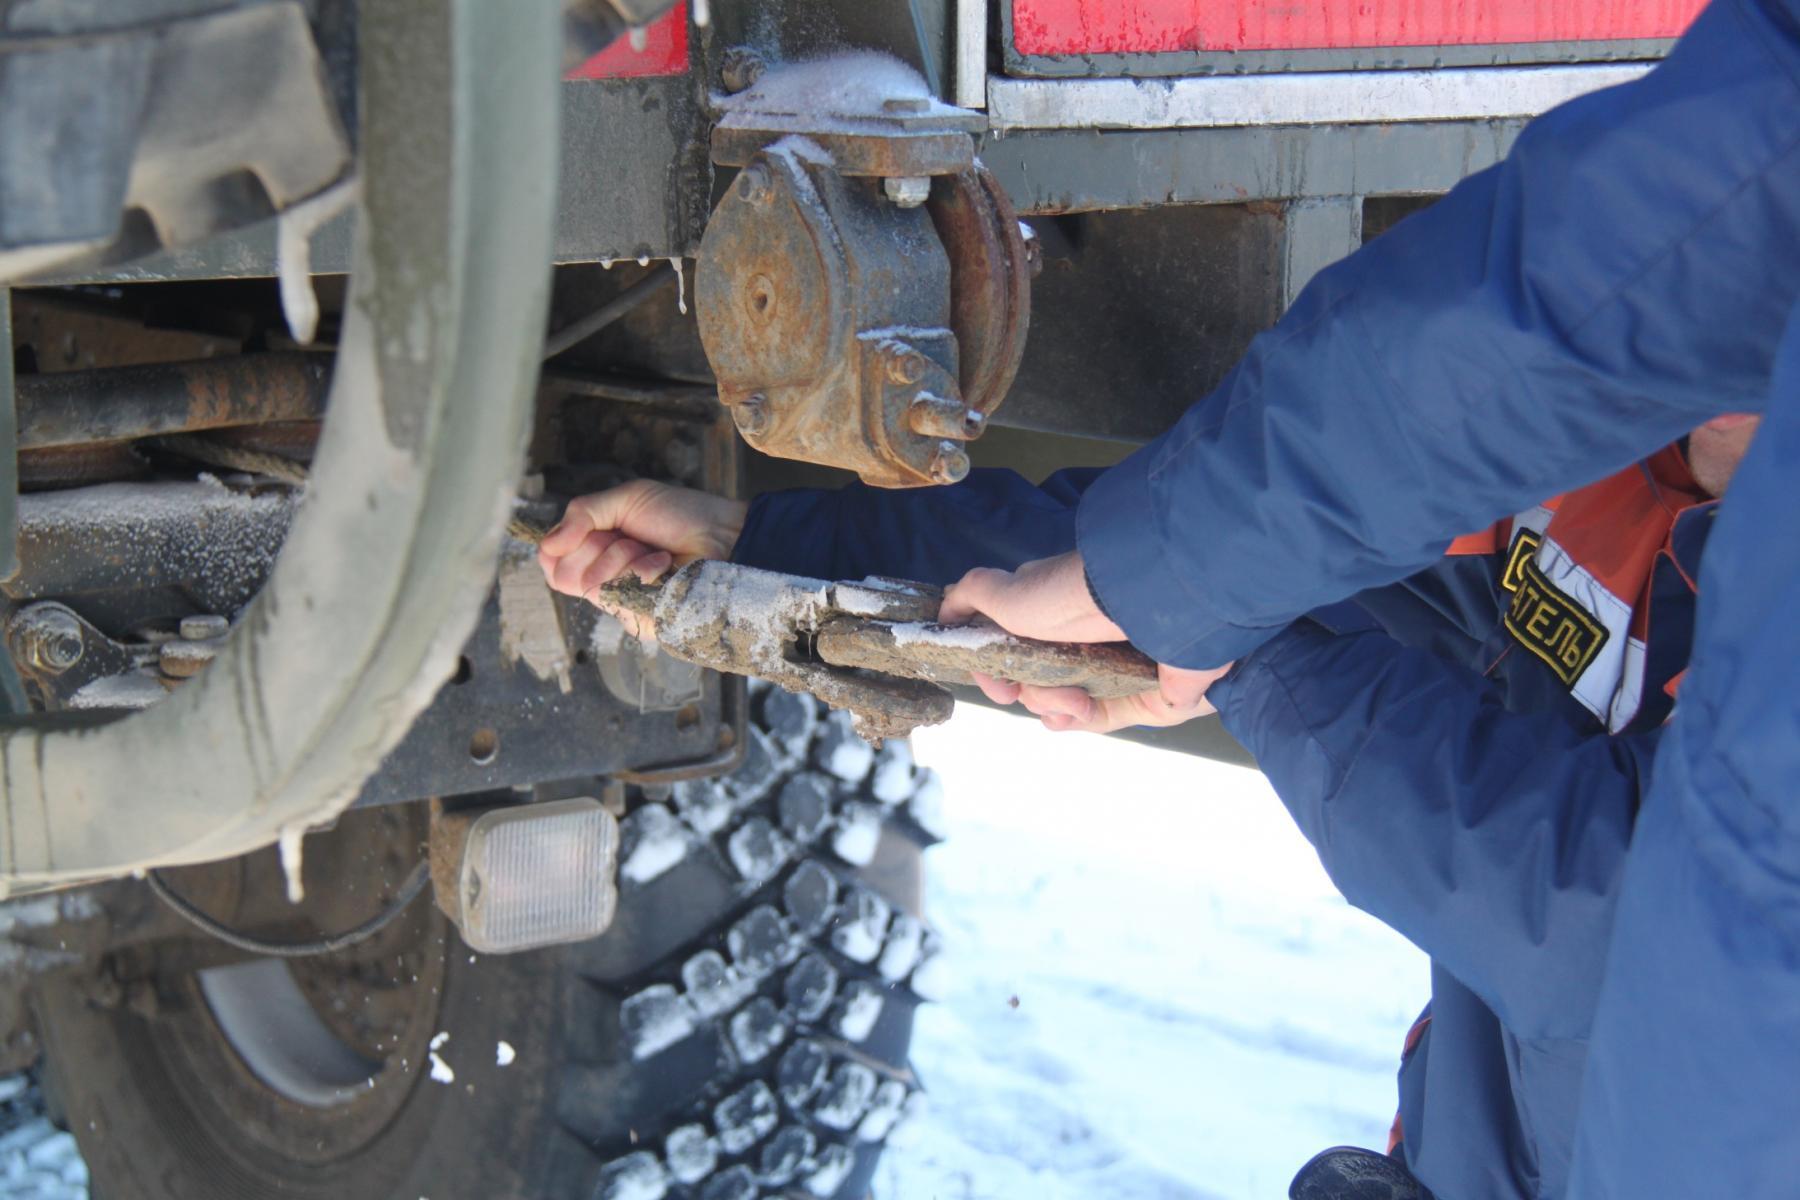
1621, 276
1493, 840
993, 518
1691, 1083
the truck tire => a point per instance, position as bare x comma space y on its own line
740, 1032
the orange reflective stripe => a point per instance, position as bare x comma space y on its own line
1491, 540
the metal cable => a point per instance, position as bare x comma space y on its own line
585, 328
185, 909
235, 458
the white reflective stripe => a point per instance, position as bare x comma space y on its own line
1596, 686
1535, 519
1628, 697
1308, 98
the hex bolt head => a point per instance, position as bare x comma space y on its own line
752, 415
741, 68
755, 184
200, 626
949, 464
48, 637
907, 191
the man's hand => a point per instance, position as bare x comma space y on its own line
643, 527
1049, 600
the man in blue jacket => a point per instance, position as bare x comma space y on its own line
1630, 271
1490, 809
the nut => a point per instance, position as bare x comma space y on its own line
906, 365
752, 415
755, 184
48, 637
200, 626
907, 191
949, 464
741, 68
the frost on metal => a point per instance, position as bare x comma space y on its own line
691, 1153
652, 841
757, 1030
884, 1112
841, 752
635, 1177
745, 1117
758, 850
845, 1098
655, 1019
834, 1164
861, 927
861, 1009
858, 834
904, 943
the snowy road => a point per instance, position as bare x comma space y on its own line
1197, 1010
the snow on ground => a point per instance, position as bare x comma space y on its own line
1156, 993
37, 1161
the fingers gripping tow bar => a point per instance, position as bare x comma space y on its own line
872, 648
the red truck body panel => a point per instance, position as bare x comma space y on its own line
1066, 27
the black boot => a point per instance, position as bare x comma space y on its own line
1347, 1173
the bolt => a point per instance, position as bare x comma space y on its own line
906, 365
755, 184
974, 425
949, 464
48, 637
937, 417
907, 191
752, 415
741, 68
906, 104
200, 626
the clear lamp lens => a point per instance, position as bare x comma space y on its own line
539, 875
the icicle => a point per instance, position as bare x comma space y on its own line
702, 13
680, 286
291, 861
293, 257
606, 264
643, 260
639, 39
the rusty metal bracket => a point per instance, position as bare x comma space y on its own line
863, 290
872, 648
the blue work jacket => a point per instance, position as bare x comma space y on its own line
1486, 818
1630, 269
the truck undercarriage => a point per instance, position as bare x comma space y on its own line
306, 301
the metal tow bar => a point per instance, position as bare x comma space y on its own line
872, 648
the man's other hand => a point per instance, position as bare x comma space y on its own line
1049, 600
642, 527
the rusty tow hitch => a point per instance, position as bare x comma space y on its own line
863, 290
872, 648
